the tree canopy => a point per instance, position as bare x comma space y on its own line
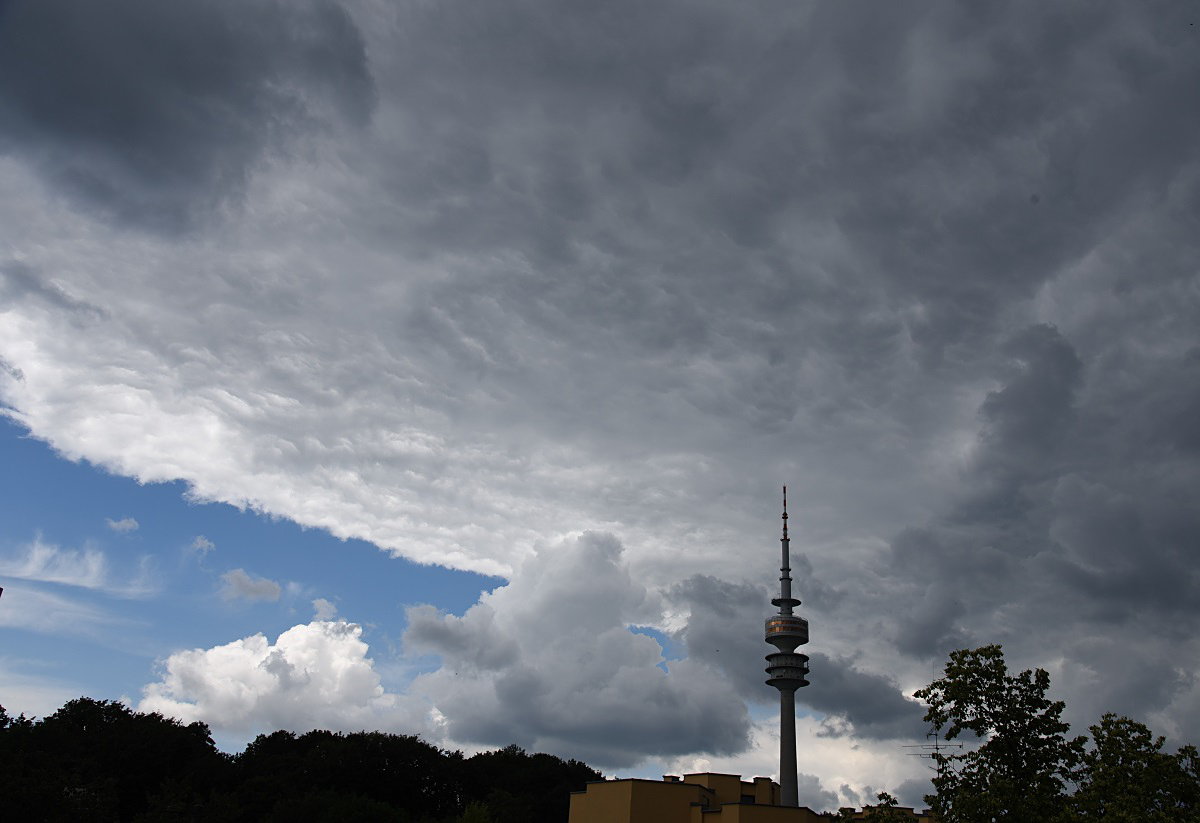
1026, 768
1126, 777
100, 761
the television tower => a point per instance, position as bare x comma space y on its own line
787, 670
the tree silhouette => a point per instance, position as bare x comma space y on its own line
400, 771
517, 787
1127, 778
1021, 770
98, 760
1025, 764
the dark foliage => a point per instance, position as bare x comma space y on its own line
97, 760
494, 780
399, 771
1128, 778
100, 761
1024, 761
1025, 767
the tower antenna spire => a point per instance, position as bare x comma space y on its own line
787, 670
785, 537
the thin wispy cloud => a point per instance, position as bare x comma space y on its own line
33, 609
41, 561
86, 568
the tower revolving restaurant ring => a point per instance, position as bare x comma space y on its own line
786, 631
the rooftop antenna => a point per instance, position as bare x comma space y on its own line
787, 669
933, 751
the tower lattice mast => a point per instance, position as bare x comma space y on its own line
787, 669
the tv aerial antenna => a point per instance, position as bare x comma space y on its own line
933, 751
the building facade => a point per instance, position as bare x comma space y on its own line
704, 797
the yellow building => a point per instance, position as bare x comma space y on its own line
705, 797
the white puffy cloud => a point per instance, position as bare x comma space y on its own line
315, 675
323, 609
241, 586
125, 524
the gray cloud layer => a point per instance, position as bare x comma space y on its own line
155, 112
462, 280
548, 661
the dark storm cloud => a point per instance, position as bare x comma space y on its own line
724, 629
1035, 103
856, 194
155, 112
919, 134
1064, 538
1027, 417
872, 703
1045, 485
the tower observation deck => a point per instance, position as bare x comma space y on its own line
786, 670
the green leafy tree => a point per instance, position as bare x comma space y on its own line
1024, 763
1126, 777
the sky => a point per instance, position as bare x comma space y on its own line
435, 367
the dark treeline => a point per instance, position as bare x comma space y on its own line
100, 761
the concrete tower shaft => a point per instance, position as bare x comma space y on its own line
787, 670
